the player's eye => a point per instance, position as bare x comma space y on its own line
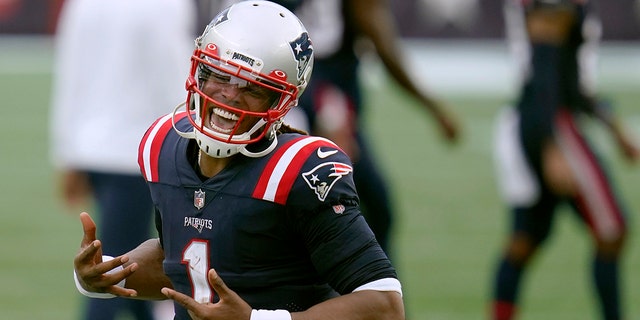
257, 91
208, 74
266, 94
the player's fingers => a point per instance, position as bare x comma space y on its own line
110, 281
89, 228
122, 292
182, 299
229, 300
218, 285
88, 254
89, 235
89, 261
107, 266
115, 281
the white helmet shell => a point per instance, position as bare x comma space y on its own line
256, 42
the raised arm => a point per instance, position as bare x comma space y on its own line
373, 19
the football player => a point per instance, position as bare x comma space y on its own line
543, 157
256, 220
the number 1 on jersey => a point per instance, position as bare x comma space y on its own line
196, 257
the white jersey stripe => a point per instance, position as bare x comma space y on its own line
146, 151
283, 164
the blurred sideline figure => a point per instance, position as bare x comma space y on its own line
333, 103
543, 157
118, 66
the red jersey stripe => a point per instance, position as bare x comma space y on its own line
292, 171
261, 186
280, 173
152, 144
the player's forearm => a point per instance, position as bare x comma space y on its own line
367, 304
149, 277
375, 21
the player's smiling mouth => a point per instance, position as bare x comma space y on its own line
222, 121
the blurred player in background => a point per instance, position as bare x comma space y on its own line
255, 220
543, 157
119, 65
333, 102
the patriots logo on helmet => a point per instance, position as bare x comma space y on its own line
221, 17
302, 50
322, 178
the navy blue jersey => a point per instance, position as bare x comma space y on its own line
284, 231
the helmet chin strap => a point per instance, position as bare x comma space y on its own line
188, 135
229, 147
271, 135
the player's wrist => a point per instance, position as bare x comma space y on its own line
99, 295
270, 315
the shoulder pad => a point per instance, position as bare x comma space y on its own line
285, 166
151, 144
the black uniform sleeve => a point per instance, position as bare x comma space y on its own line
342, 247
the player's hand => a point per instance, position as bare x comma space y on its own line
449, 127
74, 187
628, 147
230, 306
92, 272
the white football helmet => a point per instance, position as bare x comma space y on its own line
250, 65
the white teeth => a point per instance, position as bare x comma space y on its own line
221, 130
225, 114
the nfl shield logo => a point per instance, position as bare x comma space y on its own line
198, 199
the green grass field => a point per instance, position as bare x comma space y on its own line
450, 222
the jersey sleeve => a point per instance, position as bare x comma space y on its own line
343, 248
324, 209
